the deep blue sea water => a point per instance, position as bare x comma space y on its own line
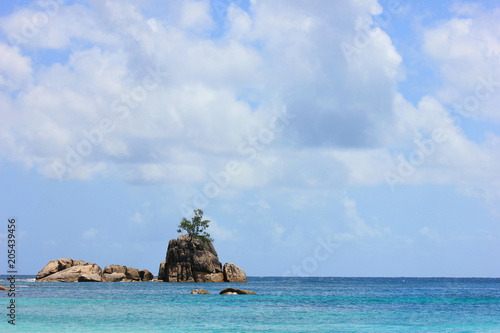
282, 305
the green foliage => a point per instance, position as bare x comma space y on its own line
196, 227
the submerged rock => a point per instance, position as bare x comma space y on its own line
199, 292
232, 291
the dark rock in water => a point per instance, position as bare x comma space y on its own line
146, 275
199, 292
85, 272
233, 273
133, 274
232, 291
162, 271
189, 260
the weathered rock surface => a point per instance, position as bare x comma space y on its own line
114, 273
51, 268
93, 277
199, 292
146, 275
233, 273
162, 271
82, 273
133, 274
113, 277
187, 260
232, 291
114, 269
69, 270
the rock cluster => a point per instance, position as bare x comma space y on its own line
69, 270
188, 259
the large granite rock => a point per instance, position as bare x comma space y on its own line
114, 273
189, 260
114, 269
146, 275
133, 274
80, 273
233, 273
113, 277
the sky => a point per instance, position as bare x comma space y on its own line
321, 138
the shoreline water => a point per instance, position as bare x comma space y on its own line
282, 304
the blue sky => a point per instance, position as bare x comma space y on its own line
325, 138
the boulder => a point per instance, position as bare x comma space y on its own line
94, 277
146, 275
113, 277
233, 273
199, 292
114, 269
190, 260
51, 268
133, 274
78, 262
74, 274
232, 291
62, 264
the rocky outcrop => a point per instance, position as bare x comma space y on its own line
69, 270
85, 272
232, 291
199, 292
114, 273
233, 273
189, 260
146, 275
55, 266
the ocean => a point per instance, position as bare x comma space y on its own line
290, 304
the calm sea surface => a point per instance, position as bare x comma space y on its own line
282, 305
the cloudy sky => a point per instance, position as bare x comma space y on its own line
321, 138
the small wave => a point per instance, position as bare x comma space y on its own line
25, 280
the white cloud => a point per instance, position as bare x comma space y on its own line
467, 49
350, 122
137, 218
90, 234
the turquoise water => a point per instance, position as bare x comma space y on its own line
283, 304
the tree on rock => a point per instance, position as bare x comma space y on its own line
196, 227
